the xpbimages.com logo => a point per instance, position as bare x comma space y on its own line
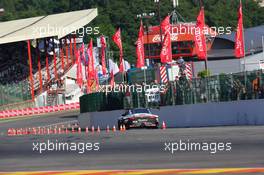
185, 146
51, 146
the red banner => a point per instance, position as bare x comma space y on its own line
239, 45
90, 67
103, 46
62, 58
79, 68
200, 40
165, 24
91, 70
82, 52
117, 39
140, 47
166, 51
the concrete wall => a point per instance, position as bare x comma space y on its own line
248, 112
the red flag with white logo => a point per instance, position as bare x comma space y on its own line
117, 39
82, 52
165, 24
239, 45
79, 68
103, 46
200, 40
166, 52
140, 47
90, 67
91, 70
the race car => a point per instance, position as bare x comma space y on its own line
138, 118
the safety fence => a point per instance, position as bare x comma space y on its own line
14, 93
219, 88
38, 111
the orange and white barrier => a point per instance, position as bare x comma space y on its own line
37, 111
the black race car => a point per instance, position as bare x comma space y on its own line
138, 118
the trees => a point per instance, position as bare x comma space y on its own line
122, 13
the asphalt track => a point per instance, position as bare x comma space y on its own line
133, 149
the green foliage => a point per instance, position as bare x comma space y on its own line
122, 13
204, 74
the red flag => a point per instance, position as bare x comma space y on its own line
239, 45
200, 40
96, 80
165, 24
88, 79
117, 39
166, 52
103, 46
79, 68
91, 70
82, 50
62, 58
140, 47
112, 80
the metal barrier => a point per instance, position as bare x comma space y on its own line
224, 87
220, 88
14, 93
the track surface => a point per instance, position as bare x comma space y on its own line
133, 149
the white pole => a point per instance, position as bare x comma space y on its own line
175, 3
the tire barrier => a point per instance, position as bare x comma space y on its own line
37, 111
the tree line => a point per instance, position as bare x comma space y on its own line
123, 13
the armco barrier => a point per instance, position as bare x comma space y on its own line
37, 111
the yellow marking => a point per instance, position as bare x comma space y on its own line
212, 171
142, 172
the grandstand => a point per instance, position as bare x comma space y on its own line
33, 63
